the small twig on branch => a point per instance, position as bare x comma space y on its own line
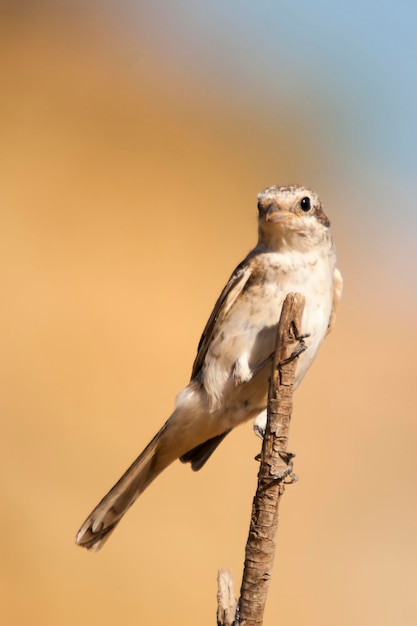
226, 601
274, 471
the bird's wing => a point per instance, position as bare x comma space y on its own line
227, 298
337, 295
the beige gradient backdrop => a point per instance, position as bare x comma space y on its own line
124, 207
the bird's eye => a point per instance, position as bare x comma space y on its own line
305, 204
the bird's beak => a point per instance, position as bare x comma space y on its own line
274, 216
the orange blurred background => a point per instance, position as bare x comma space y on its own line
128, 195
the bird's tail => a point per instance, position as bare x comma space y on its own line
107, 514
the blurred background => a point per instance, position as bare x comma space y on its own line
135, 137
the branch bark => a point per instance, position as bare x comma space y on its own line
275, 469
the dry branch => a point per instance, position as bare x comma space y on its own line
274, 471
226, 601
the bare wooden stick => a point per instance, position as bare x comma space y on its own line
226, 601
274, 471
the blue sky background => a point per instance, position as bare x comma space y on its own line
343, 73
359, 57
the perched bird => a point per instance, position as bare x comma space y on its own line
229, 380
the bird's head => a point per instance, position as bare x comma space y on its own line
291, 218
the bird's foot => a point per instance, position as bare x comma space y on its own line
278, 472
285, 474
302, 346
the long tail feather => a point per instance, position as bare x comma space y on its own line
107, 514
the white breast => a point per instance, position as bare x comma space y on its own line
312, 276
248, 334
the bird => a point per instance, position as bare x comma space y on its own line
229, 379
